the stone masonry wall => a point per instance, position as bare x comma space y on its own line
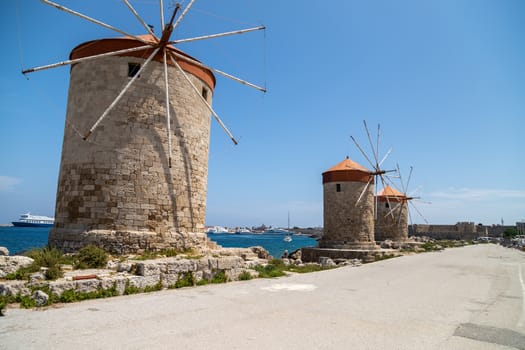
392, 226
347, 225
119, 179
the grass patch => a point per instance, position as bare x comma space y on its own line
308, 268
220, 277
131, 289
169, 253
90, 257
187, 280
271, 270
245, 276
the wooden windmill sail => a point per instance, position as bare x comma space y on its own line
408, 196
375, 162
155, 46
133, 173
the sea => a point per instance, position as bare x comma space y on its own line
20, 239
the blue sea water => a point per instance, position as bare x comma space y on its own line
273, 243
18, 239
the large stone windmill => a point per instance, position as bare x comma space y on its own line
133, 173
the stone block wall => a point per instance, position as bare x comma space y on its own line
392, 221
347, 225
119, 180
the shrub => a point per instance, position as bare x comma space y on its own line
131, 289
220, 277
91, 257
26, 302
270, 271
54, 272
187, 280
154, 288
245, 276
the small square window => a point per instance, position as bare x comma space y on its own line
205, 93
338, 187
133, 69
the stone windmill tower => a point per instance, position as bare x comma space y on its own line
348, 192
392, 215
133, 173
393, 211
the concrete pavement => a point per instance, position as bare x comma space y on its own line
461, 298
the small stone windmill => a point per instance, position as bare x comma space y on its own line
133, 172
393, 211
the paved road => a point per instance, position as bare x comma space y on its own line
463, 298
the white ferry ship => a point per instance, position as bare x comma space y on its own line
28, 220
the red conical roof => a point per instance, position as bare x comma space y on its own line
100, 46
390, 194
348, 170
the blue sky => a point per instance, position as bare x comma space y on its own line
445, 79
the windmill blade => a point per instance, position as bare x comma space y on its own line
377, 140
363, 192
391, 212
417, 210
92, 20
68, 62
211, 36
409, 177
362, 152
401, 180
386, 156
374, 152
168, 117
387, 200
114, 103
183, 14
135, 13
197, 63
203, 99
161, 4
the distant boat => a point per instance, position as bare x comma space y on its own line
287, 239
243, 230
28, 220
217, 229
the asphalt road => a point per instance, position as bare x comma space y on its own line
462, 298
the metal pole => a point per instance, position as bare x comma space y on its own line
197, 63
65, 9
204, 101
372, 146
211, 36
112, 105
64, 63
183, 14
139, 18
168, 118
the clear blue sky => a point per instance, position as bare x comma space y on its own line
445, 79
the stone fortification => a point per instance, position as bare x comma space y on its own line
348, 223
116, 189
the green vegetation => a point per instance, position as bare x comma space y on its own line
154, 288
90, 257
149, 255
131, 289
51, 258
245, 276
220, 277
186, 280
510, 233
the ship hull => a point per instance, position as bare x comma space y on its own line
29, 224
